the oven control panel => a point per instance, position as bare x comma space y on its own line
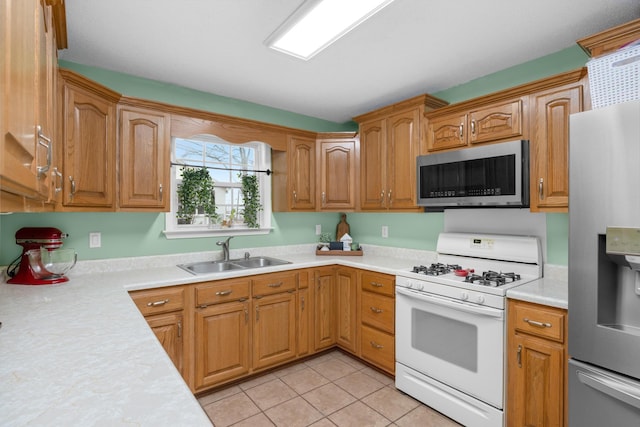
452, 292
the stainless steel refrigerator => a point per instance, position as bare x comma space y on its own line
604, 267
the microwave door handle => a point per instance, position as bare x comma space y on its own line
432, 299
609, 386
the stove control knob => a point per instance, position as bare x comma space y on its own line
420, 286
464, 296
480, 299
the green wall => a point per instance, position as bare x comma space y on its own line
139, 234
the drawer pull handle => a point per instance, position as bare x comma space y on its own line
376, 284
376, 309
536, 323
157, 303
223, 293
376, 345
275, 285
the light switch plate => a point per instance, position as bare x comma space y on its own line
385, 231
318, 229
95, 240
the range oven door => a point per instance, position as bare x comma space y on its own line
453, 342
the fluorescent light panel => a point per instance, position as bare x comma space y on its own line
316, 24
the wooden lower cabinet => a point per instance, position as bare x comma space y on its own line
168, 329
221, 338
346, 304
163, 309
324, 308
274, 335
219, 331
537, 365
377, 320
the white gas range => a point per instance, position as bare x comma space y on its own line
450, 323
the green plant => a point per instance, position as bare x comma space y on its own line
325, 238
251, 196
196, 191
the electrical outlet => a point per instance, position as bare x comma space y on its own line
385, 231
318, 229
95, 240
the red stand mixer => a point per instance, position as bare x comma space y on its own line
42, 261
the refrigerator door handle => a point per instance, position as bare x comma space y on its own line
611, 387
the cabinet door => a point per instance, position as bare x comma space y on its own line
168, 330
347, 290
550, 147
302, 175
338, 174
373, 165
144, 159
495, 122
403, 145
446, 132
274, 322
24, 77
304, 322
324, 308
221, 341
89, 149
535, 382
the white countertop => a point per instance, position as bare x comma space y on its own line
80, 352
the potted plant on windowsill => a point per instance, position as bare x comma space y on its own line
251, 196
196, 192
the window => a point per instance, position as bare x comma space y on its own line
225, 163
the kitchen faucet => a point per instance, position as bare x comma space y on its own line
225, 247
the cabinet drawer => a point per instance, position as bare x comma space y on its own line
378, 311
378, 348
378, 283
210, 293
542, 321
163, 300
275, 283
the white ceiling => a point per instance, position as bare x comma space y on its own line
409, 48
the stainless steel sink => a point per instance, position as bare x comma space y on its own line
260, 261
209, 267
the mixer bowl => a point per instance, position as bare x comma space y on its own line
45, 263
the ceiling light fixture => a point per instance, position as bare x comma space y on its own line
316, 24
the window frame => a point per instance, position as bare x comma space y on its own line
173, 230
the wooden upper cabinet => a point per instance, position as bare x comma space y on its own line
389, 145
549, 148
388, 162
338, 162
463, 126
373, 136
446, 132
403, 145
501, 121
145, 144
302, 167
27, 124
89, 145
611, 39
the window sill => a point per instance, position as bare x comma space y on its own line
211, 232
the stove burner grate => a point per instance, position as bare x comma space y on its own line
492, 278
436, 269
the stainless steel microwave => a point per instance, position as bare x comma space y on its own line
485, 176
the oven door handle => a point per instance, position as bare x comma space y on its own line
456, 305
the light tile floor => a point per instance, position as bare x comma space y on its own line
330, 390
